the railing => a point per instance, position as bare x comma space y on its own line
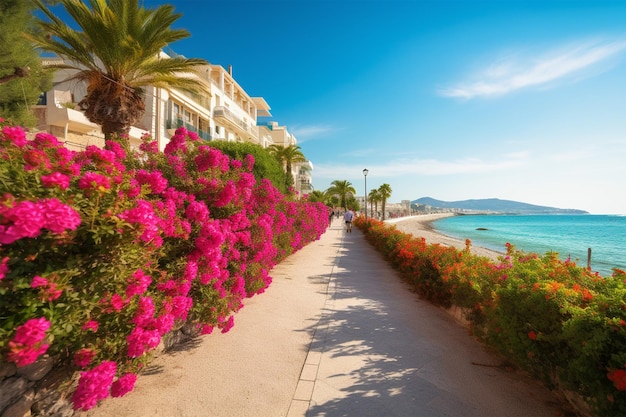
176, 123
221, 111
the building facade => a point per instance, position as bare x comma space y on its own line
225, 112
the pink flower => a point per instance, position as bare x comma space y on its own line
144, 215
149, 146
115, 303
50, 291
91, 325
145, 312
116, 148
228, 324
206, 329
36, 158
28, 343
84, 357
249, 162
94, 386
138, 283
56, 180
180, 306
91, 181
164, 323
46, 140
59, 217
141, 340
14, 134
155, 180
177, 142
209, 157
25, 219
38, 282
197, 211
228, 193
4, 267
123, 385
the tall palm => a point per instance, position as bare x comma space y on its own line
287, 156
116, 52
385, 192
341, 188
374, 198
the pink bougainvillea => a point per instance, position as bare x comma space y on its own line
138, 283
94, 385
83, 357
124, 247
29, 342
56, 179
123, 385
92, 181
4, 268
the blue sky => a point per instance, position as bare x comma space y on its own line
519, 100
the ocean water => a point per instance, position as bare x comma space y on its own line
568, 235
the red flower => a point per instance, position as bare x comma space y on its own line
618, 377
532, 335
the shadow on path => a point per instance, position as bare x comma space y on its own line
388, 353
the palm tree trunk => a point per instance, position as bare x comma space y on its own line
384, 203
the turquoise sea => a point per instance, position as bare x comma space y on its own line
568, 235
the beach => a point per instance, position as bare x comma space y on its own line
421, 226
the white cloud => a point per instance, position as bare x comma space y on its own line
308, 132
427, 167
511, 74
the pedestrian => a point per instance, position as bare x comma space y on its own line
348, 217
330, 217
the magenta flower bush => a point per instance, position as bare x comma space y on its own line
104, 252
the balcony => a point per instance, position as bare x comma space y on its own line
225, 115
305, 186
173, 124
70, 119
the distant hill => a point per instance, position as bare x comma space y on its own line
495, 205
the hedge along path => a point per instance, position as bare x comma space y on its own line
254, 369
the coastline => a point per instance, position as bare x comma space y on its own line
422, 226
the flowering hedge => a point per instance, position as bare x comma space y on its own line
104, 252
561, 322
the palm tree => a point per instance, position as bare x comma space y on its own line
384, 192
318, 196
374, 198
287, 156
117, 52
342, 188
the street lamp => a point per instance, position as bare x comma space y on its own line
365, 172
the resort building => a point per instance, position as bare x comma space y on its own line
227, 113
280, 135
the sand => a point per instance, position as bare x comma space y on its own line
421, 226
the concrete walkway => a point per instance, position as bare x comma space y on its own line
336, 334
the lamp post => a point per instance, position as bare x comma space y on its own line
365, 172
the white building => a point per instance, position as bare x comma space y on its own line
227, 112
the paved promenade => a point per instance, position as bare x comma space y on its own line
336, 334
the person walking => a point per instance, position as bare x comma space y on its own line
330, 217
348, 217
